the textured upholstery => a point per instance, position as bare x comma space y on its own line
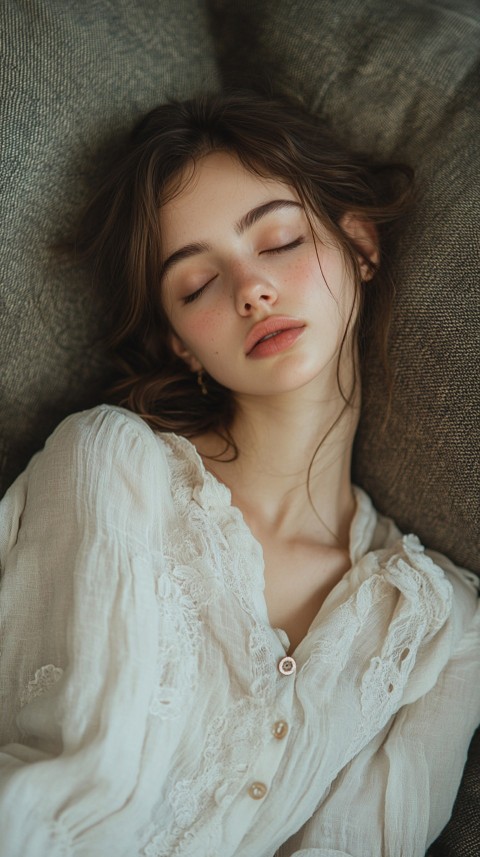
72, 77
398, 79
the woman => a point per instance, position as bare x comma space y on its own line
216, 645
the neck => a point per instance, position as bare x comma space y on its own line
290, 450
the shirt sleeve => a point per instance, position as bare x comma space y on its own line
397, 794
80, 535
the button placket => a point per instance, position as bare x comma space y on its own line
257, 790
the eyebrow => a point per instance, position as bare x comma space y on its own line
245, 222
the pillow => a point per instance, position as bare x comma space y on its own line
73, 76
400, 81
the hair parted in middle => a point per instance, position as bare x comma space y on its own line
273, 137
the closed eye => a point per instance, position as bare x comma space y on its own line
188, 299
285, 247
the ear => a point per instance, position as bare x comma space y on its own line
364, 235
180, 349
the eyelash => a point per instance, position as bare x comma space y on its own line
193, 297
290, 246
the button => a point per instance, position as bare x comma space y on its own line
257, 791
287, 666
280, 729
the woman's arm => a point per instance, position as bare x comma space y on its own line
80, 534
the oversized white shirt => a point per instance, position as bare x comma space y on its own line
149, 707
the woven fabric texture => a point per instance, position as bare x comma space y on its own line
73, 77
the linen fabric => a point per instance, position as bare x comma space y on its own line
143, 708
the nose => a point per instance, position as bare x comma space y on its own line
252, 292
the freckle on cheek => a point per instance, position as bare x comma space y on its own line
204, 322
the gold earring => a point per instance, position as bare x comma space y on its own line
201, 382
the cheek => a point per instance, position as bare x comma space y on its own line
323, 286
202, 330
308, 277
330, 272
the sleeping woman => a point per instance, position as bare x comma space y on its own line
213, 645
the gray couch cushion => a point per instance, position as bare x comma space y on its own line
72, 77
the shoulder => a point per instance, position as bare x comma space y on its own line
102, 428
105, 464
375, 532
465, 587
102, 439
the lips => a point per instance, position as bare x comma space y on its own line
267, 327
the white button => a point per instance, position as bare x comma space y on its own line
280, 729
257, 791
287, 666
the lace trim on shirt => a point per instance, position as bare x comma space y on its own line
231, 741
216, 550
421, 599
179, 645
167, 844
208, 550
423, 606
44, 679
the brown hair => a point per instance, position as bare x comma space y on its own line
274, 137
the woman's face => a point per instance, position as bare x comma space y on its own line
241, 264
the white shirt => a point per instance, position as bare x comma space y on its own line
147, 708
